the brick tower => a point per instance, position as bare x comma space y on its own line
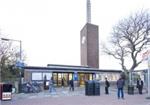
89, 42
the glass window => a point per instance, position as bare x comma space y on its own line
70, 76
55, 78
90, 76
48, 76
36, 76
59, 79
65, 79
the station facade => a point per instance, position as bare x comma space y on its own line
64, 73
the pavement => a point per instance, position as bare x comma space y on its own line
63, 96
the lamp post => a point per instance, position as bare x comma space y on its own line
148, 71
20, 58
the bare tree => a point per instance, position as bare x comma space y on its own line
129, 38
8, 58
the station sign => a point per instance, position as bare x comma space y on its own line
75, 76
6, 96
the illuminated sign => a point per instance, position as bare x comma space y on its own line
6, 95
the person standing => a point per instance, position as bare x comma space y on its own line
120, 85
140, 85
45, 80
62, 81
106, 86
71, 83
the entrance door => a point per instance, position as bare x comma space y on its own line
59, 79
65, 78
81, 79
55, 78
84, 77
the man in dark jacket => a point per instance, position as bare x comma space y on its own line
106, 86
120, 85
140, 85
71, 83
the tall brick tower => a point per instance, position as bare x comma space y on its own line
89, 41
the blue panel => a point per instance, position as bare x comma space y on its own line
75, 76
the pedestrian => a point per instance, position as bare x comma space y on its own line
51, 85
120, 85
107, 84
139, 85
62, 81
28, 85
71, 85
45, 81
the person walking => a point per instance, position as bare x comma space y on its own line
51, 85
28, 85
120, 85
107, 84
140, 85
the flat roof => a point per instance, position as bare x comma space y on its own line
69, 68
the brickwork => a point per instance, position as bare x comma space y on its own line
90, 46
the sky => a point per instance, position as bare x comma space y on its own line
50, 29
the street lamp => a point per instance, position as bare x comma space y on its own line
148, 73
20, 58
148, 70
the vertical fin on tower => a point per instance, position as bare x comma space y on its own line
88, 11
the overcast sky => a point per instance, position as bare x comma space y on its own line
50, 29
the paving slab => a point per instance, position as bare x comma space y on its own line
66, 97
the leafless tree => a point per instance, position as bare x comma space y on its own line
128, 39
8, 57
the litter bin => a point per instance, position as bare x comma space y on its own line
92, 88
89, 88
6, 91
130, 89
96, 88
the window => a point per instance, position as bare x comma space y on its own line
48, 76
36, 76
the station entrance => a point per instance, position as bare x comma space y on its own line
62, 79
82, 77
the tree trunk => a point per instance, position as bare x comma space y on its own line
130, 78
